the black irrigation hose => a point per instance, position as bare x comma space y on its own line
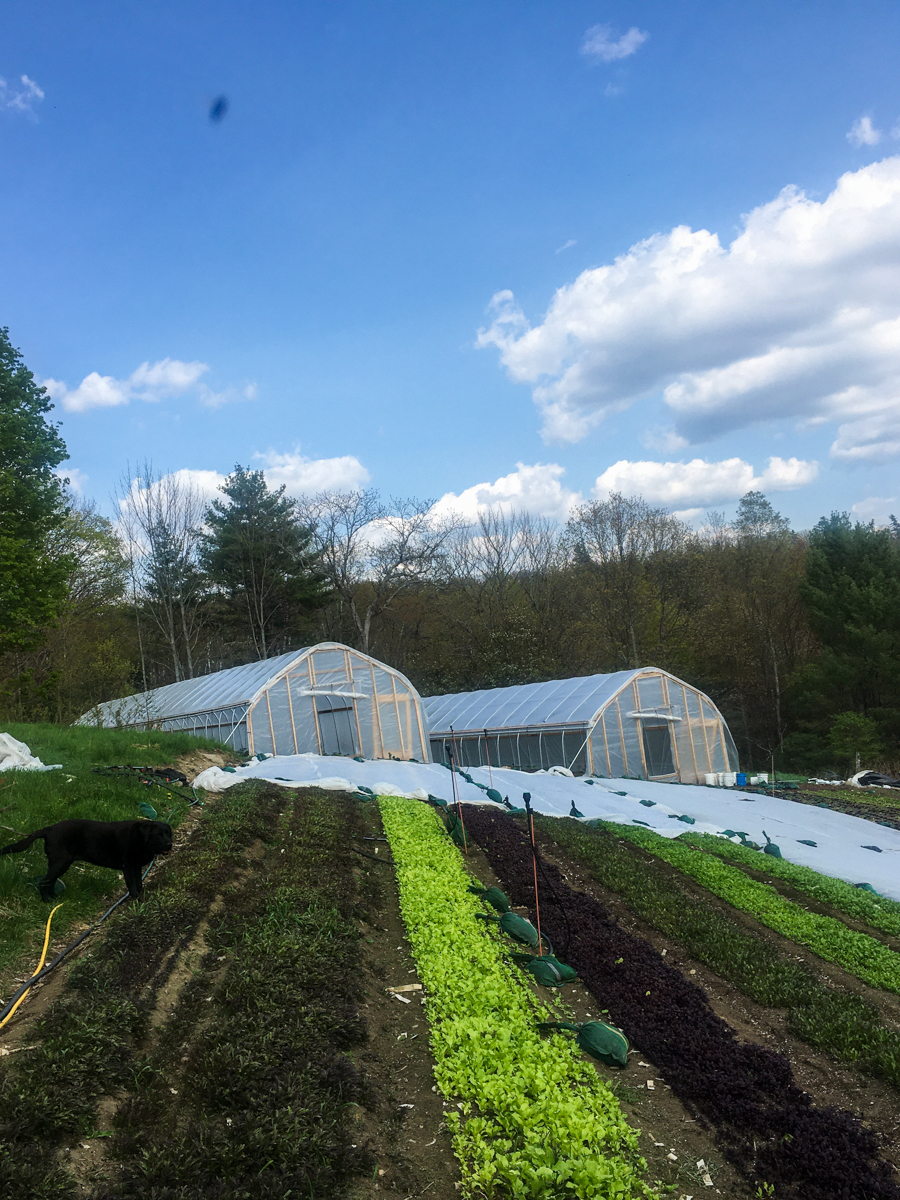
387, 862
66, 951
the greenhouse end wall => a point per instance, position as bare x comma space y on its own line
344, 703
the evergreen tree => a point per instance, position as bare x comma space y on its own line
32, 579
852, 593
258, 552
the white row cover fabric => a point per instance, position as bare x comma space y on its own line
840, 837
15, 756
325, 699
644, 723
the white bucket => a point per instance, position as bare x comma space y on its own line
729, 778
762, 777
712, 779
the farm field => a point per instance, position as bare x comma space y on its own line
769, 1121
236, 1032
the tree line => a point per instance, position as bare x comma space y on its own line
795, 635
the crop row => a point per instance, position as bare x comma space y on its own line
838, 1021
766, 1125
877, 911
244, 1090
861, 955
534, 1118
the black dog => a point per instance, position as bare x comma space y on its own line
124, 846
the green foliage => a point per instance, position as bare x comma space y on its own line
32, 580
853, 738
857, 953
534, 1121
877, 911
86, 655
258, 552
852, 593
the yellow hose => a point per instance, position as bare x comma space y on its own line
37, 970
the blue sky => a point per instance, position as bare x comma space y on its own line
301, 285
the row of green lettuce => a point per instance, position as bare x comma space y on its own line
878, 911
532, 1118
863, 956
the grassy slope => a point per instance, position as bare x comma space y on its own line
33, 799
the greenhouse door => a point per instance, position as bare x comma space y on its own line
658, 750
337, 727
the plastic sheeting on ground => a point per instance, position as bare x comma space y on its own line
15, 756
841, 839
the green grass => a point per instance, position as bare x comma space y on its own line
34, 799
840, 1023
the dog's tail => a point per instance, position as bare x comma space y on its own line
24, 844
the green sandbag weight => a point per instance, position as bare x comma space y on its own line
601, 1041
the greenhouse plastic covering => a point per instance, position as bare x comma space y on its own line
559, 702
841, 839
223, 689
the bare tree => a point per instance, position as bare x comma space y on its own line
160, 518
370, 552
631, 549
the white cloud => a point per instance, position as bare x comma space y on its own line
76, 479
798, 318
699, 482
567, 245
533, 489
304, 476
875, 508
150, 382
863, 133
301, 476
663, 440
598, 43
21, 99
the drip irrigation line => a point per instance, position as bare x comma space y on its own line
67, 950
387, 862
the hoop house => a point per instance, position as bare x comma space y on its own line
644, 724
325, 699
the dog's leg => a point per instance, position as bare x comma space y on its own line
55, 867
133, 881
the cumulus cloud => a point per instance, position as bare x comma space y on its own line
20, 97
534, 489
150, 382
598, 43
798, 318
304, 476
301, 476
875, 508
700, 482
863, 133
